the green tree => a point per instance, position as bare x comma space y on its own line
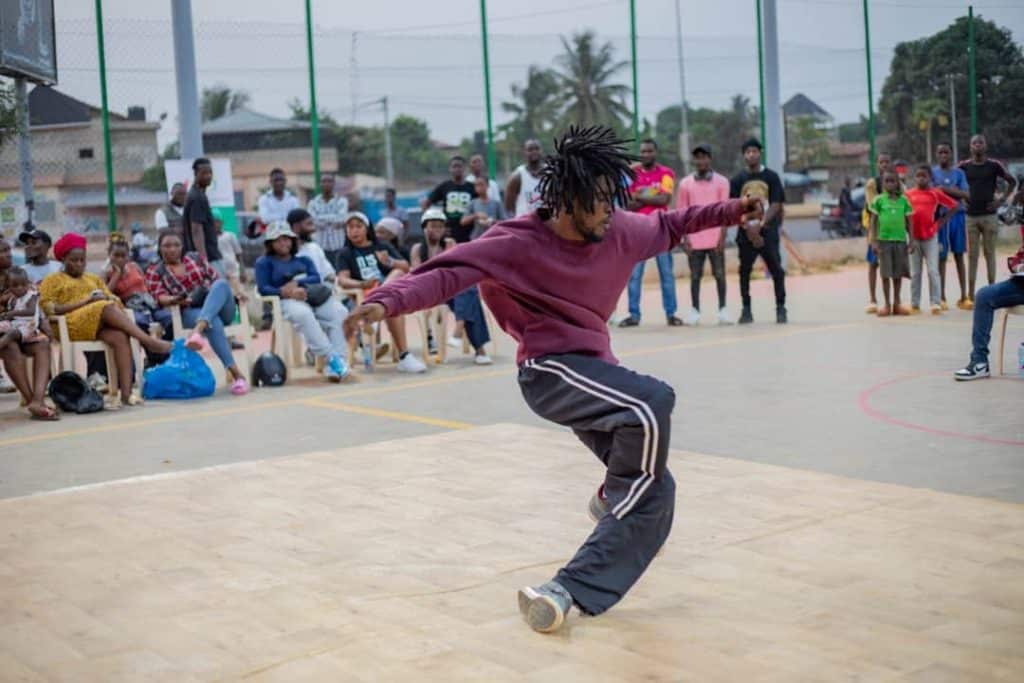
920, 70
808, 144
220, 100
534, 106
585, 75
724, 129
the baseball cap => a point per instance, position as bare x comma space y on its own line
278, 229
359, 216
34, 234
752, 142
432, 214
392, 225
705, 148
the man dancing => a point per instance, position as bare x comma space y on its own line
552, 278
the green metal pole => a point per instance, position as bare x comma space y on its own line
636, 92
314, 114
760, 68
871, 94
972, 83
492, 162
108, 161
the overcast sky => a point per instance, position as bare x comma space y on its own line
426, 56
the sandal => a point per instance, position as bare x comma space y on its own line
44, 414
136, 400
240, 387
195, 342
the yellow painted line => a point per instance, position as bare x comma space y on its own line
388, 414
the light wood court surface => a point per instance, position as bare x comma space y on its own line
399, 561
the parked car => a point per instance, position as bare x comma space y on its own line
835, 223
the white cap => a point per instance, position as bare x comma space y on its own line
432, 214
278, 229
392, 225
358, 215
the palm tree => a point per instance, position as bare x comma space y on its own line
535, 108
586, 70
220, 100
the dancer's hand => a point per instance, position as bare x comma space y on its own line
363, 315
753, 210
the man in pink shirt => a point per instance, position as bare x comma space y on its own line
651, 192
705, 186
552, 278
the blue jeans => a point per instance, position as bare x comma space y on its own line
467, 308
218, 310
668, 286
988, 299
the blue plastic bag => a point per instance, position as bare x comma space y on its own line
184, 375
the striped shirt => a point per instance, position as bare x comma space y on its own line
328, 215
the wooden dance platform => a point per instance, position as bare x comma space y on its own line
399, 561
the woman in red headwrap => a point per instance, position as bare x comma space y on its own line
92, 312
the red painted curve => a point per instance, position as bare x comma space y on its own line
864, 402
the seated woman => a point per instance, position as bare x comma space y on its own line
306, 302
126, 280
16, 294
206, 301
365, 263
390, 230
92, 312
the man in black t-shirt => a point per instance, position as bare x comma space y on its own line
199, 234
760, 239
983, 176
454, 196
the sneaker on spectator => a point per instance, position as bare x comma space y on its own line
972, 371
871, 308
724, 318
936, 309
6, 385
629, 321
746, 317
97, 382
454, 342
335, 370
781, 317
545, 607
483, 359
693, 318
915, 310
411, 364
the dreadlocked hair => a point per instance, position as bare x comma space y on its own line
584, 156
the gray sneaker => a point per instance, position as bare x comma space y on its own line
545, 607
598, 506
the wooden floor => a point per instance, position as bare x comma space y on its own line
399, 561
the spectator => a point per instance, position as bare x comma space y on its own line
393, 210
200, 232
126, 280
366, 263
846, 207
14, 358
872, 189
171, 215
953, 233
1008, 293
276, 202
705, 186
206, 302
230, 253
485, 210
454, 196
20, 322
391, 231
925, 200
761, 239
306, 302
304, 227
890, 227
37, 254
434, 242
983, 175
649, 193
328, 211
521, 195
93, 312
142, 251
477, 170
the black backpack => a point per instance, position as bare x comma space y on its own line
72, 395
269, 371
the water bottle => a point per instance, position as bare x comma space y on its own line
1020, 360
367, 352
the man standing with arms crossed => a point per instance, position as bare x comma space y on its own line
983, 176
761, 238
650, 192
704, 186
328, 211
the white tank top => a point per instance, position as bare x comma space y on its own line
528, 199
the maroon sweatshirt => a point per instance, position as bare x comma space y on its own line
550, 294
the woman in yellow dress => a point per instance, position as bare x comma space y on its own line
92, 312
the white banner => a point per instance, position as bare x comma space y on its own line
220, 192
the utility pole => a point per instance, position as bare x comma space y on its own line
684, 130
190, 128
314, 115
389, 166
775, 144
105, 110
871, 93
636, 95
760, 66
24, 147
354, 75
491, 161
972, 78
952, 118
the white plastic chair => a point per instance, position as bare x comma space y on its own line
240, 331
65, 351
1004, 317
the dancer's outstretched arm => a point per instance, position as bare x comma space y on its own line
661, 231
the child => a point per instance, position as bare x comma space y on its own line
872, 189
890, 225
924, 237
20, 322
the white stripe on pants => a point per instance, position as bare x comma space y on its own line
927, 250
320, 326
